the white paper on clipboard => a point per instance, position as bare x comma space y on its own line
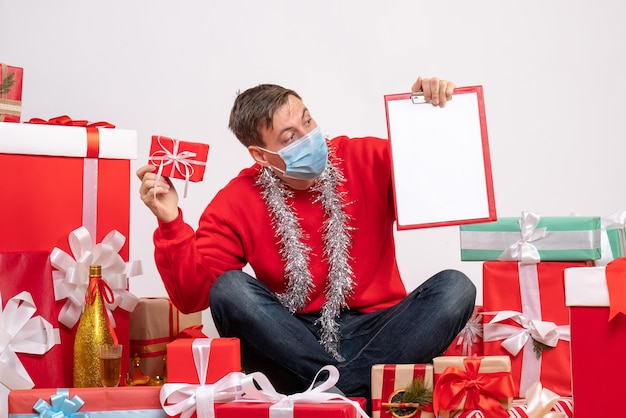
441, 166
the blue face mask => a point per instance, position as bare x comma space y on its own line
305, 158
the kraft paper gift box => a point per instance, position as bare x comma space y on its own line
179, 159
491, 389
30, 354
154, 323
123, 401
389, 381
65, 180
223, 354
526, 318
470, 339
595, 296
532, 238
10, 93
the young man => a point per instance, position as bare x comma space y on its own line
314, 218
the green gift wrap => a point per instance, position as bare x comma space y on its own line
531, 239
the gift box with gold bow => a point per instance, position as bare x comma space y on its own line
532, 238
70, 191
10, 93
470, 383
596, 297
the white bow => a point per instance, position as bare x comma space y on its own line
523, 250
72, 277
283, 404
470, 334
515, 338
614, 220
182, 162
539, 402
22, 332
185, 399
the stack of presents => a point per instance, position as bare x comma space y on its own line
547, 340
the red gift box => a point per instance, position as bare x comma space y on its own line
469, 342
388, 379
65, 177
530, 300
262, 410
223, 356
28, 359
108, 402
10, 93
598, 340
179, 159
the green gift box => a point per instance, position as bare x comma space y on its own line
531, 239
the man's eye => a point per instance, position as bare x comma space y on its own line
308, 121
291, 138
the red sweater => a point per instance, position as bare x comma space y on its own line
235, 229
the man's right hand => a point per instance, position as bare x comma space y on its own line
164, 204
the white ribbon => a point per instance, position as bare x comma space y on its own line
523, 250
185, 399
22, 332
71, 278
182, 162
614, 220
283, 405
539, 402
470, 334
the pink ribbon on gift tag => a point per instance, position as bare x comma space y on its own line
181, 162
71, 278
283, 405
185, 399
523, 250
22, 332
531, 327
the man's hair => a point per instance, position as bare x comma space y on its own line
254, 109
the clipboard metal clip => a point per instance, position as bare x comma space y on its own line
417, 97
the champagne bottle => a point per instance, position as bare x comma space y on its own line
93, 331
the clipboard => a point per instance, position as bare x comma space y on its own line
441, 167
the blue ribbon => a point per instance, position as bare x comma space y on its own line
61, 406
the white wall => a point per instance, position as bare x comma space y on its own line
552, 71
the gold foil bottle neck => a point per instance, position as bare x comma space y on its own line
95, 270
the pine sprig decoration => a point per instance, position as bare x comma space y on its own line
539, 347
7, 83
405, 403
418, 393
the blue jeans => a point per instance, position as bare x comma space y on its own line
285, 347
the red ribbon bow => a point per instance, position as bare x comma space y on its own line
96, 283
93, 136
616, 283
480, 390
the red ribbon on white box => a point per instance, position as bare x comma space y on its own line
185, 399
71, 278
181, 162
531, 327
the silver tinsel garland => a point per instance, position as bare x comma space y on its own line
337, 243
